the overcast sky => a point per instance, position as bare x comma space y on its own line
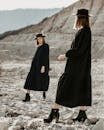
14, 4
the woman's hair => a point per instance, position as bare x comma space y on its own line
82, 21
43, 41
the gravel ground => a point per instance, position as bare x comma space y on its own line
16, 115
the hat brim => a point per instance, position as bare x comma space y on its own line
37, 37
90, 15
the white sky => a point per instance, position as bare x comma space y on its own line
14, 4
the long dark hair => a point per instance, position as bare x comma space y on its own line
43, 41
82, 21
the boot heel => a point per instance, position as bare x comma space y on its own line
57, 118
81, 116
53, 115
44, 95
27, 98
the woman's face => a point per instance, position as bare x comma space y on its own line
40, 40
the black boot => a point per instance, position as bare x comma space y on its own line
27, 98
81, 116
44, 95
53, 115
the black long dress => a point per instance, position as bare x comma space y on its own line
74, 87
35, 79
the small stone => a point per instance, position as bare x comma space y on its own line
70, 121
2, 114
12, 114
33, 114
92, 121
99, 125
3, 124
34, 124
18, 122
16, 128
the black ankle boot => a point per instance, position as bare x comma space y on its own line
81, 116
27, 98
53, 115
44, 95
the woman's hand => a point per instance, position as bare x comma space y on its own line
42, 69
61, 57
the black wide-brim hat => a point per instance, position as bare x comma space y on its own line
39, 35
83, 13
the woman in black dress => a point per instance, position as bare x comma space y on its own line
38, 77
74, 86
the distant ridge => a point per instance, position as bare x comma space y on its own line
19, 18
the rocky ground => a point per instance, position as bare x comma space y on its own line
17, 115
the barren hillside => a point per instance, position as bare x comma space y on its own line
59, 31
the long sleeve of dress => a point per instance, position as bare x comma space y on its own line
45, 55
82, 41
